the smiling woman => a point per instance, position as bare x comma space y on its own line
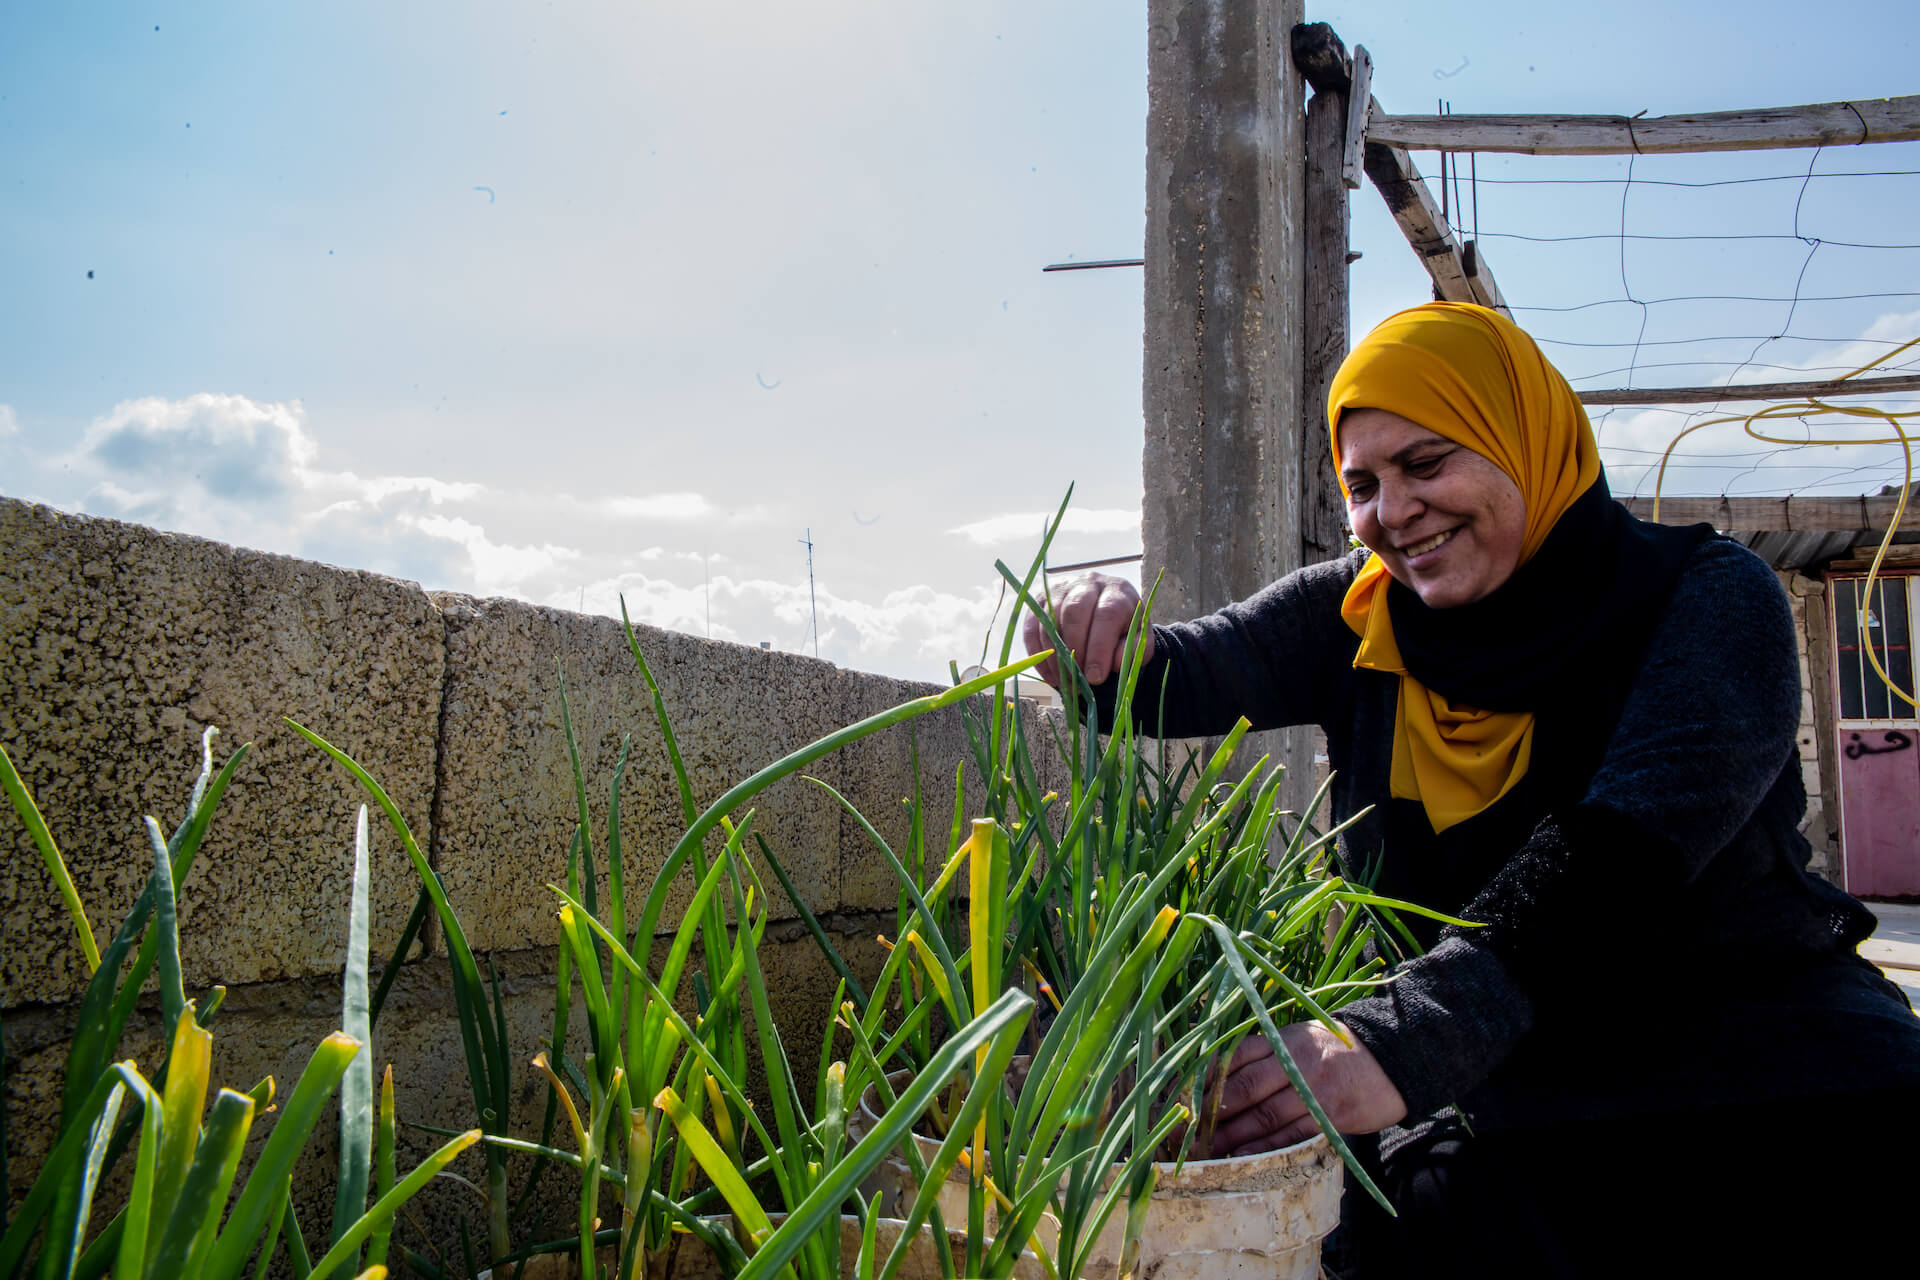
1443, 519
1577, 730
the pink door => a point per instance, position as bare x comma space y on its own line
1879, 736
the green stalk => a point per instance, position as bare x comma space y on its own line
299, 1260
932, 932
182, 1099
1230, 949
130, 1258
166, 923
381, 1215
779, 1073
827, 949
487, 1066
296, 1121
276, 1223
695, 1044
792, 763
1000, 1024
109, 1001
50, 854
189, 1233
688, 810
409, 933
356, 1086
383, 1168
62, 1160
90, 1175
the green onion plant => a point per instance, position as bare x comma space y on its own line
188, 1215
1159, 913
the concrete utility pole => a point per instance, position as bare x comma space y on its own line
1224, 267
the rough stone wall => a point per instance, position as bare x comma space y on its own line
119, 645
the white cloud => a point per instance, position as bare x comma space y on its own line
245, 471
9, 424
497, 567
659, 506
1716, 455
916, 629
225, 447
381, 487
1882, 338
1028, 526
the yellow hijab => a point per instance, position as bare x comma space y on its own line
1470, 374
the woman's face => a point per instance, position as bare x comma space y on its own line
1444, 520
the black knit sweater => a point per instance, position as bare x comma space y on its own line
1651, 937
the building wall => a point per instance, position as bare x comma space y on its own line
1815, 735
119, 645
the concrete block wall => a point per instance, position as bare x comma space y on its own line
119, 645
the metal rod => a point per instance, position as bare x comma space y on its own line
1473, 185
811, 599
1094, 266
1095, 564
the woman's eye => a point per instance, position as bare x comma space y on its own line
1426, 467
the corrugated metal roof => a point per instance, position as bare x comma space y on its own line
1802, 551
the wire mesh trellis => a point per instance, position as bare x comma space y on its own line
1705, 269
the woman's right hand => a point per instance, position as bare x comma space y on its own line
1092, 616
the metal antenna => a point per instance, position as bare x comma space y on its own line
812, 600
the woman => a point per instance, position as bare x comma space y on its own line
1577, 730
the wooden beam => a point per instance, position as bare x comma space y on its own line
1459, 273
1321, 57
1901, 555
1398, 180
1779, 515
1359, 104
1326, 284
1480, 280
1737, 392
1825, 124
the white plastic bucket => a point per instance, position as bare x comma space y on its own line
1258, 1217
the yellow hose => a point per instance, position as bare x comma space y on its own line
1801, 409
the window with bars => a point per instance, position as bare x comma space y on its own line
1889, 629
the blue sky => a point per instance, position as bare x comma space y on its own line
560, 301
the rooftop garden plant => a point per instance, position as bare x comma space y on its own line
1160, 914
187, 1212
657, 1105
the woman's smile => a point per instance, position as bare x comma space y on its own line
1418, 554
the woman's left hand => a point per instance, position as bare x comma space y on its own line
1261, 1111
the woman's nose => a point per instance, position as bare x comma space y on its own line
1398, 505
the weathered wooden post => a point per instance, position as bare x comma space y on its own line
1325, 338
1222, 384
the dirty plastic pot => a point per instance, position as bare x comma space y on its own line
1258, 1217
